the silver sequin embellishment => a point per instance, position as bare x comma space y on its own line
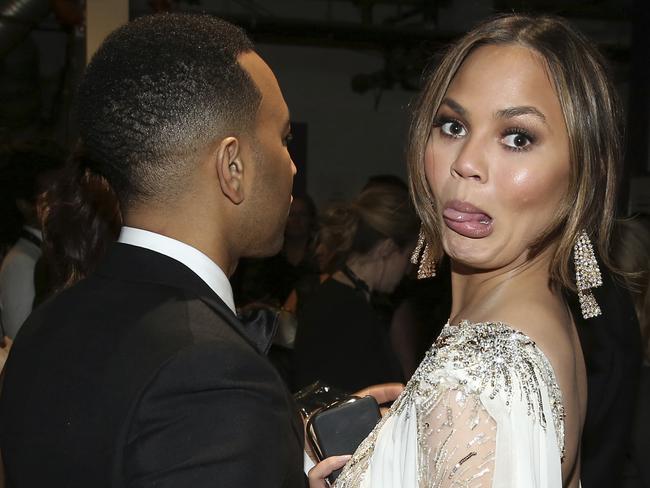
487, 357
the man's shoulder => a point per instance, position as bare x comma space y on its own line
96, 301
123, 334
142, 319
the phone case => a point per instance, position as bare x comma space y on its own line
341, 428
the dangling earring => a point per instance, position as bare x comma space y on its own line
422, 256
587, 275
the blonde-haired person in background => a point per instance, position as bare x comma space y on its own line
341, 338
513, 161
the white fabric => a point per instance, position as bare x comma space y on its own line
395, 460
17, 282
199, 263
307, 462
526, 456
482, 410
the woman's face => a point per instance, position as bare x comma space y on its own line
497, 159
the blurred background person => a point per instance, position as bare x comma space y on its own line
631, 252
615, 349
75, 239
341, 338
611, 346
422, 307
418, 308
27, 170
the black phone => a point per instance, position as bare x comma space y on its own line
339, 428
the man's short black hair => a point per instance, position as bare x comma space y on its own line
159, 90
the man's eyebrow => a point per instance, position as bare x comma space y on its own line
455, 106
508, 113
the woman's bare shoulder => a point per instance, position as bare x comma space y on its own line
551, 327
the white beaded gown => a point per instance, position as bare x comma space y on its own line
483, 409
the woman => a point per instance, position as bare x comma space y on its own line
341, 338
513, 155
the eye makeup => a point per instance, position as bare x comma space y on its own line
519, 133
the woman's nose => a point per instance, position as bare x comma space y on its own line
471, 161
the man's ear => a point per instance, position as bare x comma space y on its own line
230, 169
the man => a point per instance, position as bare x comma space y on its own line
141, 374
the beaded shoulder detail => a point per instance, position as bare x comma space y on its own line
490, 355
484, 358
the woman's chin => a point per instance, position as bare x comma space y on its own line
472, 253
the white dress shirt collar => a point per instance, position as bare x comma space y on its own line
203, 266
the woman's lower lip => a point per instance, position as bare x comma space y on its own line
473, 229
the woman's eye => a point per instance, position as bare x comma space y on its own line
453, 128
287, 139
517, 141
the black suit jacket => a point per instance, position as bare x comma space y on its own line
141, 376
611, 344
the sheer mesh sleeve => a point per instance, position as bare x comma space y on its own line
442, 430
458, 439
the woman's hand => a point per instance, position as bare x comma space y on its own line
318, 474
382, 393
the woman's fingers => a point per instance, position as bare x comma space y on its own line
384, 392
322, 470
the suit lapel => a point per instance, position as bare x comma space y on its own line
258, 332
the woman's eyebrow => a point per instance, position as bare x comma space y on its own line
455, 106
506, 113
510, 112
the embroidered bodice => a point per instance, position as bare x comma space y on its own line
477, 383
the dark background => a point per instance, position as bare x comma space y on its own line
348, 69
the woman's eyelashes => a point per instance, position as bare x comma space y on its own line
449, 127
517, 139
512, 138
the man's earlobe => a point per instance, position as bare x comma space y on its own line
230, 169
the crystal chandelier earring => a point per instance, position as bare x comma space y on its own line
422, 257
587, 275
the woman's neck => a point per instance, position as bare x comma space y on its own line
366, 270
488, 295
361, 270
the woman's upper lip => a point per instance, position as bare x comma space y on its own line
454, 208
